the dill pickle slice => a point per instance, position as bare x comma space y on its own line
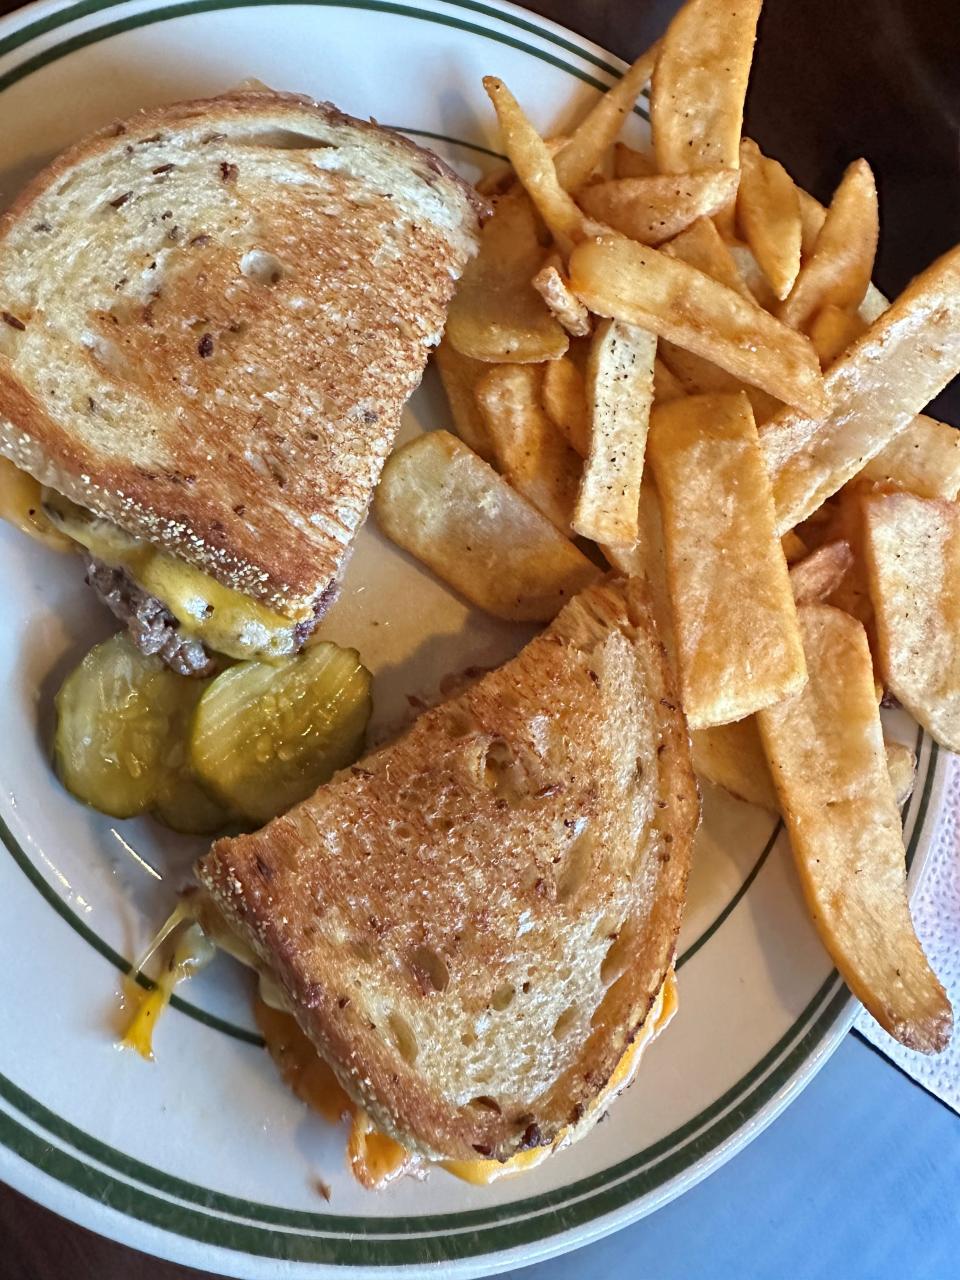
121, 725
186, 806
266, 735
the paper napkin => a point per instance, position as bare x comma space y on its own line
936, 915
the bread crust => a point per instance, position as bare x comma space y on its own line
238, 422
513, 869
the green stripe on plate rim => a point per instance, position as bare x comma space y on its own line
463, 1234
149, 18
480, 1231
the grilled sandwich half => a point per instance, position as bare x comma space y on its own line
475, 924
211, 316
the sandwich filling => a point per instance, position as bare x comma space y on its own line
375, 1158
169, 607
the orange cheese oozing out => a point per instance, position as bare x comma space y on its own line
376, 1159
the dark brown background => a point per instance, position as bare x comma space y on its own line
833, 80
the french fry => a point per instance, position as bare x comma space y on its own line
924, 460
832, 330
875, 389
451, 510
794, 548
653, 209
626, 281
594, 134
566, 307
702, 377
812, 215
839, 269
851, 592
731, 756
528, 449
768, 214
826, 754
619, 397
666, 384
459, 375
902, 767
738, 645
630, 163
502, 176
817, 576
699, 85
703, 247
647, 559
496, 314
874, 304
752, 276
564, 398
912, 549
530, 157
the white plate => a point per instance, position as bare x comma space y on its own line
204, 1157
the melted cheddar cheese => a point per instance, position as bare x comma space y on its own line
375, 1159
21, 505
225, 620
482, 1172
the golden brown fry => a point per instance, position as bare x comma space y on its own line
651, 210
851, 594
564, 398
731, 756
794, 548
924, 459
703, 247
737, 640
912, 549
447, 507
874, 304
647, 559
528, 449
666, 385
630, 163
459, 375
875, 389
594, 134
700, 377
699, 85
817, 576
619, 396
554, 288
902, 767
535, 168
826, 754
839, 269
768, 214
832, 330
812, 215
643, 286
758, 286
498, 180
496, 314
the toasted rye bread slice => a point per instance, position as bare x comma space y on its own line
473, 923
214, 313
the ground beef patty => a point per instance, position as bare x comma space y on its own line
151, 625
154, 629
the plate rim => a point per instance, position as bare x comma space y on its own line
833, 1008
